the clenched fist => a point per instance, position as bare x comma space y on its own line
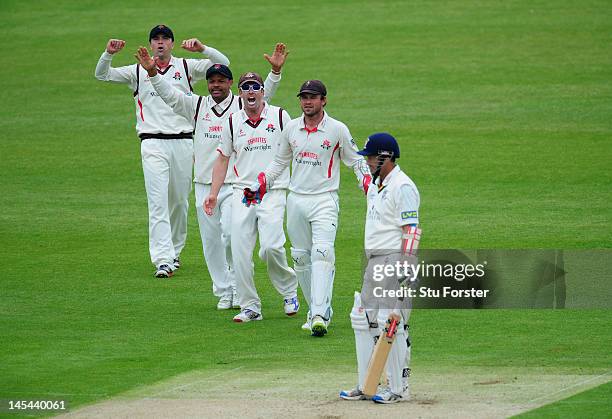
114, 45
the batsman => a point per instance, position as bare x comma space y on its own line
391, 235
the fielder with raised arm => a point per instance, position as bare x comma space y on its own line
209, 115
315, 143
166, 138
253, 135
391, 235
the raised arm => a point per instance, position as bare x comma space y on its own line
198, 68
276, 60
183, 104
104, 71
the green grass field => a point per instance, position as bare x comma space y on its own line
503, 111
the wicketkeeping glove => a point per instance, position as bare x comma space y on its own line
255, 193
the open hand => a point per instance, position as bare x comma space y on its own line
277, 60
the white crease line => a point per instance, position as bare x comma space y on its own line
192, 383
569, 387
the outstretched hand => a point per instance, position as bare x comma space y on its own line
277, 60
114, 45
146, 61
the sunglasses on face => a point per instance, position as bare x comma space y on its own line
255, 87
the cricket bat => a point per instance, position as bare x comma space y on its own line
379, 358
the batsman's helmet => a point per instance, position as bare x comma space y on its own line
381, 143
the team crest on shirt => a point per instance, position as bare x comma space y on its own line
177, 75
271, 128
241, 133
326, 145
207, 117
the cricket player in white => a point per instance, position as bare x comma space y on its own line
253, 135
209, 115
166, 138
315, 143
391, 235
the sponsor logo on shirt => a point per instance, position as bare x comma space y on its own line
308, 155
215, 128
255, 140
308, 158
177, 75
261, 144
408, 214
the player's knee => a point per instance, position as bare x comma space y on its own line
266, 253
301, 257
323, 252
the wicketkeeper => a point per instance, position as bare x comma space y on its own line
391, 235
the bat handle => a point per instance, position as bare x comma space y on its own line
392, 328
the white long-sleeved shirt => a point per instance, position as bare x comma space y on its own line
314, 155
208, 119
391, 205
153, 116
255, 144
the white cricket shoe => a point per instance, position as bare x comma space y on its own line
292, 305
225, 302
354, 394
318, 326
306, 326
235, 301
387, 396
176, 263
246, 316
164, 271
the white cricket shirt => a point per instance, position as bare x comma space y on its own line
315, 156
255, 144
392, 205
209, 119
153, 116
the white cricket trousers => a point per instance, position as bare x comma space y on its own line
267, 219
215, 232
167, 167
312, 221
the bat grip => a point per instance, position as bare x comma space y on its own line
392, 328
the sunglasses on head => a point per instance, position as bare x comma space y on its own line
256, 87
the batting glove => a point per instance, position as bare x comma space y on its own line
365, 183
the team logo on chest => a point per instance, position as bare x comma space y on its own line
207, 117
177, 75
270, 128
241, 133
326, 145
